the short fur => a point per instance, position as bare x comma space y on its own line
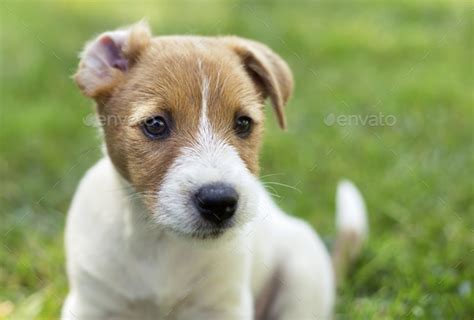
136, 246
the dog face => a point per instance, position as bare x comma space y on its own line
182, 118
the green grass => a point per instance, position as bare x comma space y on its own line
408, 59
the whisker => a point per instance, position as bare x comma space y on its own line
283, 185
272, 190
272, 175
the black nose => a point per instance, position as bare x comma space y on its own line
216, 202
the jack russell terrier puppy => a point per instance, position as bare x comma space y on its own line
173, 223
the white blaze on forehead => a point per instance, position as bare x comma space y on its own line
206, 137
204, 124
204, 120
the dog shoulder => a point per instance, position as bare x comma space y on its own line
101, 179
95, 205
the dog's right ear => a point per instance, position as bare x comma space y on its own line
106, 59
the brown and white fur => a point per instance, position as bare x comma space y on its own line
136, 246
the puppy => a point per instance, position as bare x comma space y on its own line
173, 223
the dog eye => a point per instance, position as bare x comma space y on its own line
243, 126
156, 128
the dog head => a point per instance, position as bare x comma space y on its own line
182, 118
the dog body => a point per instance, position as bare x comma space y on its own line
173, 223
121, 268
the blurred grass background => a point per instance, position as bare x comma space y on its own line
408, 59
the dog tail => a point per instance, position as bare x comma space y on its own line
352, 227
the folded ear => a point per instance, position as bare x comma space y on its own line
270, 72
106, 59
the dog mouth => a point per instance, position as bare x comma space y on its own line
199, 229
206, 235
207, 231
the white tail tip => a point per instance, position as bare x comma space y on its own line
351, 213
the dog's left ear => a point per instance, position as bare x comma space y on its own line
268, 70
106, 60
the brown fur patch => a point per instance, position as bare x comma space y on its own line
264, 304
346, 249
